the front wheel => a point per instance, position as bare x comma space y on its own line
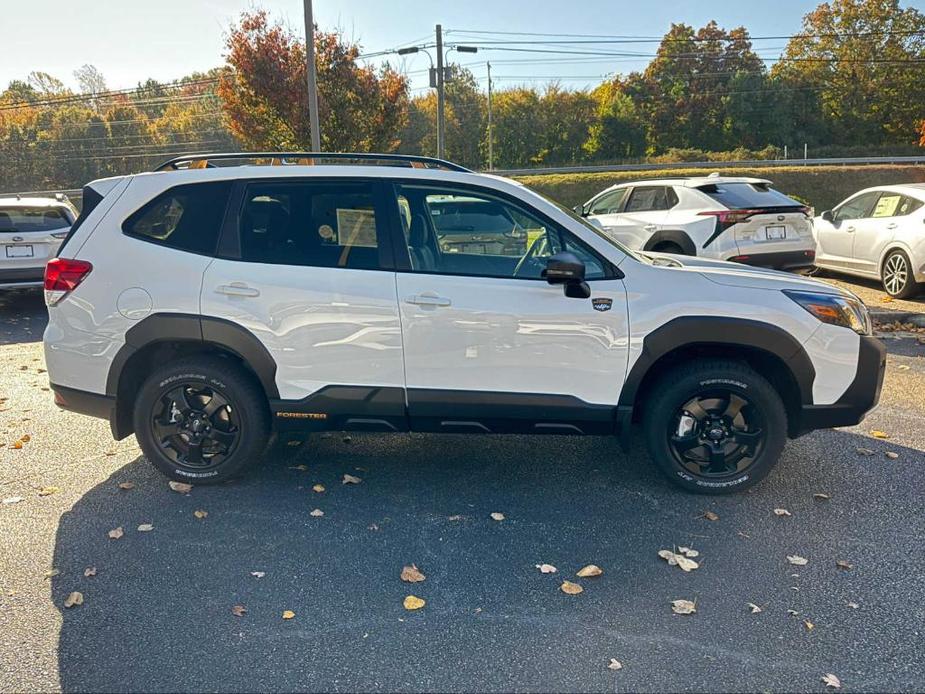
715, 427
201, 420
898, 280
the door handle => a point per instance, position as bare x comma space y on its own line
237, 289
850, 230
892, 225
650, 227
428, 300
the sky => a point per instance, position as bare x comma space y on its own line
131, 40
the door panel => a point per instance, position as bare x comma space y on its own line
876, 232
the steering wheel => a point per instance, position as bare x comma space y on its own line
530, 260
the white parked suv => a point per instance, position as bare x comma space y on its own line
877, 233
31, 230
728, 218
204, 305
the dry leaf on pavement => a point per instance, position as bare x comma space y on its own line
892, 455
317, 513
831, 681
350, 479
819, 496
48, 491
547, 568
74, 598
116, 533
615, 664
200, 514
688, 552
782, 512
12, 499
877, 434
678, 560
258, 574
51, 573
842, 564
318, 488
411, 574
865, 451
413, 602
853, 605
755, 609
589, 571
710, 516
90, 571
288, 614
145, 527
126, 485
683, 607
497, 516
797, 560
570, 588
809, 625
180, 487
238, 610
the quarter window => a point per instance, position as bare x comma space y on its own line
187, 217
317, 224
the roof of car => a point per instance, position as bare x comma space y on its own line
917, 190
691, 181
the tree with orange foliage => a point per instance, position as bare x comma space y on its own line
265, 97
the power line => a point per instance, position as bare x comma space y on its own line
87, 96
611, 38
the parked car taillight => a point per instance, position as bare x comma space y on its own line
62, 276
729, 217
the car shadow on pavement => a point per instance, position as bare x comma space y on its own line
157, 614
23, 316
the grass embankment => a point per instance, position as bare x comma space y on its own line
823, 187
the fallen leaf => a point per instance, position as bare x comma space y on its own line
546, 568
239, 610
288, 614
413, 603
710, 516
180, 487
12, 499
615, 664
755, 609
411, 574
116, 533
350, 479
688, 552
589, 571
145, 527
819, 496
16, 445
318, 488
809, 625
90, 571
792, 613
73, 599
48, 491
842, 564
200, 514
303, 468
497, 516
570, 588
892, 455
782, 512
683, 607
678, 560
877, 434
25, 438
455, 518
258, 574
903, 367
51, 573
317, 513
831, 681
797, 560
853, 605
865, 451
126, 485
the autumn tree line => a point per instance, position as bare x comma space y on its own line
851, 82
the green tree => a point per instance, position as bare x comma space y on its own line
617, 131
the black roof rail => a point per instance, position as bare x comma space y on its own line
205, 159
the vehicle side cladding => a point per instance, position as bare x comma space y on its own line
769, 349
165, 336
675, 236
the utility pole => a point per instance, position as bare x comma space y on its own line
439, 92
312, 77
490, 138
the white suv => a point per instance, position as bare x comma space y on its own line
204, 305
728, 218
31, 230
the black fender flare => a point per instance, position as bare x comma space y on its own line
173, 327
690, 331
675, 236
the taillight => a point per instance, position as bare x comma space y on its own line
729, 217
62, 276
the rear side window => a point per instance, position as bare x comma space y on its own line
651, 199
187, 217
744, 196
319, 224
26, 219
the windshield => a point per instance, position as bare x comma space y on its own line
597, 230
25, 219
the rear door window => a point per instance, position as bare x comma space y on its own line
29, 219
651, 199
187, 217
887, 205
744, 196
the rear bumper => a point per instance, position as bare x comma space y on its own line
22, 277
779, 260
82, 402
861, 396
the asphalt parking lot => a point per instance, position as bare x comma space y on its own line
157, 614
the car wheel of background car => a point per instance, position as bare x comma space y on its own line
714, 427
201, 420
897, 276
668, 248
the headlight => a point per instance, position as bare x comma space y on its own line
848, 312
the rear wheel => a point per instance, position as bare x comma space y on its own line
897, 276
715, 427
201, 420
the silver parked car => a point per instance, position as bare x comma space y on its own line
31, 231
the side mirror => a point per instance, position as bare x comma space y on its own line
565, 268
828, 216
580, 210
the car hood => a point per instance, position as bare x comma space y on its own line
738, 275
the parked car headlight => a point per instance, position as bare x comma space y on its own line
848, 312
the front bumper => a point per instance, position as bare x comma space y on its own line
779, 260
861, 396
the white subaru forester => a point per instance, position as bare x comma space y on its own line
205, 305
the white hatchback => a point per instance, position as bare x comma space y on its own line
877, 233
31, 230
